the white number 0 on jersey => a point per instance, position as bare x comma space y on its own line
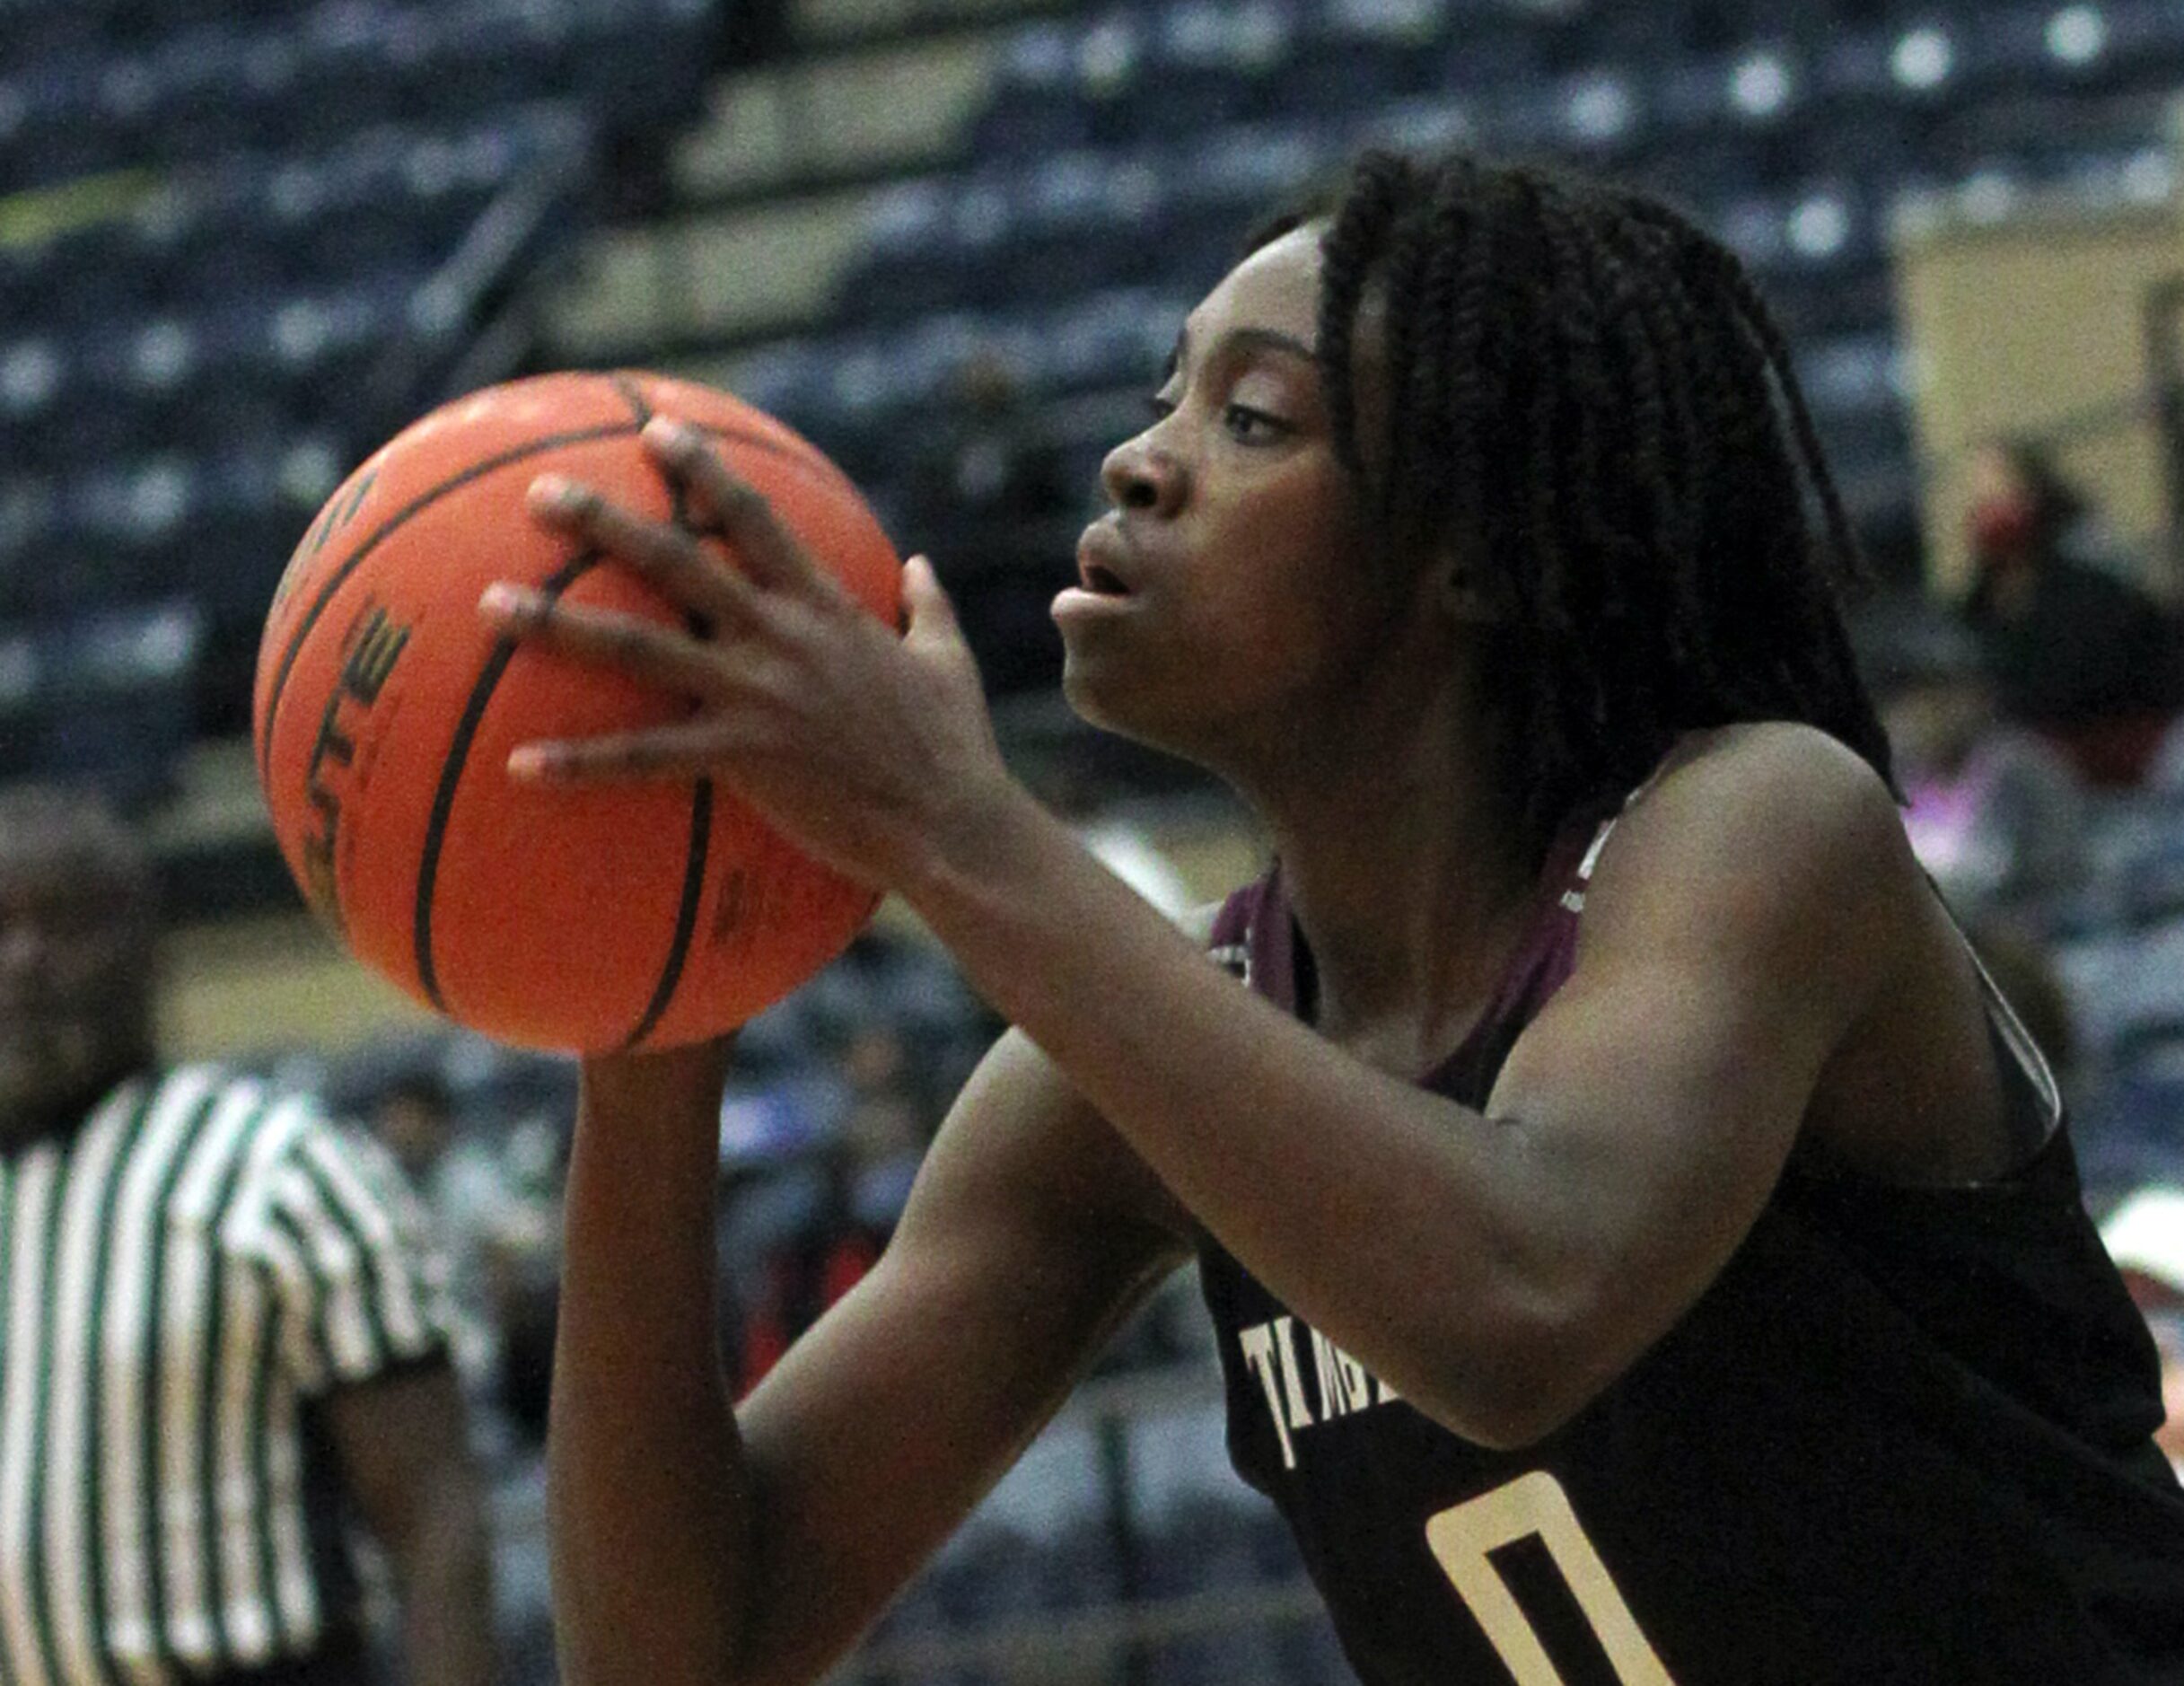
1535, 1503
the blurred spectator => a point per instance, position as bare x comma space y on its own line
461, 1180
521, 1260
824, 1221
1994, 813
2165, 772
989, 496
886, 1130
2144, 1236
225, 1336
2076, 651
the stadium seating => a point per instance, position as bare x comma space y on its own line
1123, 154
237, 204
218, 262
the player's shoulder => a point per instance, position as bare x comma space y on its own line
1771, 811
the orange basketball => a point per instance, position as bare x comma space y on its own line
638, 915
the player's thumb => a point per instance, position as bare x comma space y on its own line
929, 618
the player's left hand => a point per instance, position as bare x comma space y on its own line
871, 750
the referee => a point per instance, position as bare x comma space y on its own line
221, 1333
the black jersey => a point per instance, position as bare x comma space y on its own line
1903, 1436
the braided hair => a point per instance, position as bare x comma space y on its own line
1587, 394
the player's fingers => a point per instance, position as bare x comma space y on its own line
659, 655
671, 559
768, 550
928, 615
682, 750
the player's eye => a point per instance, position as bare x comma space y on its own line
1251, 426
1160, 406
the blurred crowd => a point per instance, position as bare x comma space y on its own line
2040, 751
837, 1091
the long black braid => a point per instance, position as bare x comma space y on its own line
1588, 396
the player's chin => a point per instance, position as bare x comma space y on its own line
1101, 694
1098, 682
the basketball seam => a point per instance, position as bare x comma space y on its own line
394, 523
699, 846
452, 766
424, 501
632, 394
794, 448
686, 913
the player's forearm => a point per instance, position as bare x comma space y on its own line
649, 1510
1391, 1219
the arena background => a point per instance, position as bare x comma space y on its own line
240, 243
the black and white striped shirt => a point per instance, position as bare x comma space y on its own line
178, 1280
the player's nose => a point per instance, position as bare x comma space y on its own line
1140, 474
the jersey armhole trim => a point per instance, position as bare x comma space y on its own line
2020, 1040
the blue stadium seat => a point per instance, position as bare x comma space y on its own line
1355, 55
63, 400
1876, 149
359, 208
96, 287
30, 523
1197, 64
1108, 339
991, 1575
1486, 56
113, 699
1223, 184
191, 101
131, 515
2037, 136
2148, 35
1852, 376
353, 56
910, 264
162, 366
2148, 881
50, 131
1036, 105
461, 61
1757, 88
1600, 114
1077, 1567
28, 269
254, 499
184, 237
21, 714
643, 62
1918, 64
1425, 123
1077, 224
787, 378
35, 30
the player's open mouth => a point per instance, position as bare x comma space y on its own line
1104, 561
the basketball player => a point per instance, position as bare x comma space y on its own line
1642, 1244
